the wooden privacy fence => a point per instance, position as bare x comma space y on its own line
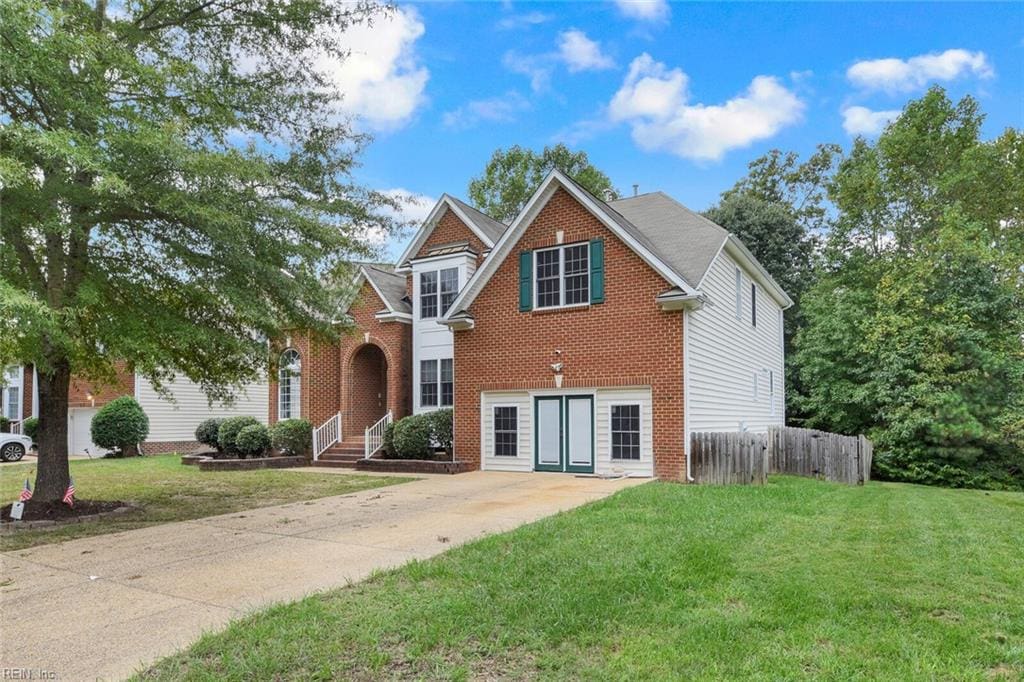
724, 458
748, 458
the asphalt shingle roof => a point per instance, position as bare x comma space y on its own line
390, 285
488, 225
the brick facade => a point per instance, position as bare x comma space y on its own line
625, 341
450, 229
347, 376
84, 393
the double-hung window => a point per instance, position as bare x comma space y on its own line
428, 295
562, 276
506, 430
626, 431
437, 383
438, 289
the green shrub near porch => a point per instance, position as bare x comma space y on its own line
292, 436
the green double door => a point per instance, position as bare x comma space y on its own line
564, 433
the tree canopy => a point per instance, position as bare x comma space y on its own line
915, 329
512, 175
175, 180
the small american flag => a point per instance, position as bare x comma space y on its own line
69, 494
26, 493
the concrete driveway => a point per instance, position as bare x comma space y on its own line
101, 607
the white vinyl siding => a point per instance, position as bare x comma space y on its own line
430, 340
177, 421
733, 365
604, 398
523, 461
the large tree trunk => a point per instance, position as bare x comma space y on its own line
52, 473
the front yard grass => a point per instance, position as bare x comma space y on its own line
798, 579
166, 490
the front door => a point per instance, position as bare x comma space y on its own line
565, 433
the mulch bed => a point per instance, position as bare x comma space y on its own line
58, 511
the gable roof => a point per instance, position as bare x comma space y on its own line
686, 240
483, 226
388, 285
676, 242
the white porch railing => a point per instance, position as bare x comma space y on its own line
17, 427
326, 435
375, 435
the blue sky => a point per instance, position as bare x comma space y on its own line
677, 97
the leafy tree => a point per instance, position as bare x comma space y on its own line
513, 174
914, 334
175, 177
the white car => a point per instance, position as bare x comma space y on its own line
13, 446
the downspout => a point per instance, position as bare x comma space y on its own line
686, 393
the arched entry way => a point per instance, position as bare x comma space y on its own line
368, 388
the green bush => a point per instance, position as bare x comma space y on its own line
252, 440
412, 437
5, 425
387, 443
442, 427
120, 425
207, 432
227, 434
30, 427
292, 436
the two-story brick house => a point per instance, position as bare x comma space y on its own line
587, 336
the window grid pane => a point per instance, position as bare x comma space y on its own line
447, 383
428, 382
626, 432
449, 288
577, 274
548, 278
288, 377
506, 431
428, 295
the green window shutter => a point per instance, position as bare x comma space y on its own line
525, 281
597, 271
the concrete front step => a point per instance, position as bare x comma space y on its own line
333, 464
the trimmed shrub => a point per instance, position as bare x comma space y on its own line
30, 427
227, 434
120, 425
412, 437
5, 425
207, 433
252, 440
387, 443
292, 436
442, 428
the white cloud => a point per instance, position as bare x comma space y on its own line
381, 79
414, 207
517, 21
501, 109
898, 75
580, 53
863, 121
644, 10
537, 67
654, 101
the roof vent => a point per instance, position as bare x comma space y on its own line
636, 189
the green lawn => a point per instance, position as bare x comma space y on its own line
797, 579
166, 490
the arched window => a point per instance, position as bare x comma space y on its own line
289, 379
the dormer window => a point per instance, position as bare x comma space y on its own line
438, 289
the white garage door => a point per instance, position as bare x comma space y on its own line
79, 437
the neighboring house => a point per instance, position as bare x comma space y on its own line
172, 423
587, 336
